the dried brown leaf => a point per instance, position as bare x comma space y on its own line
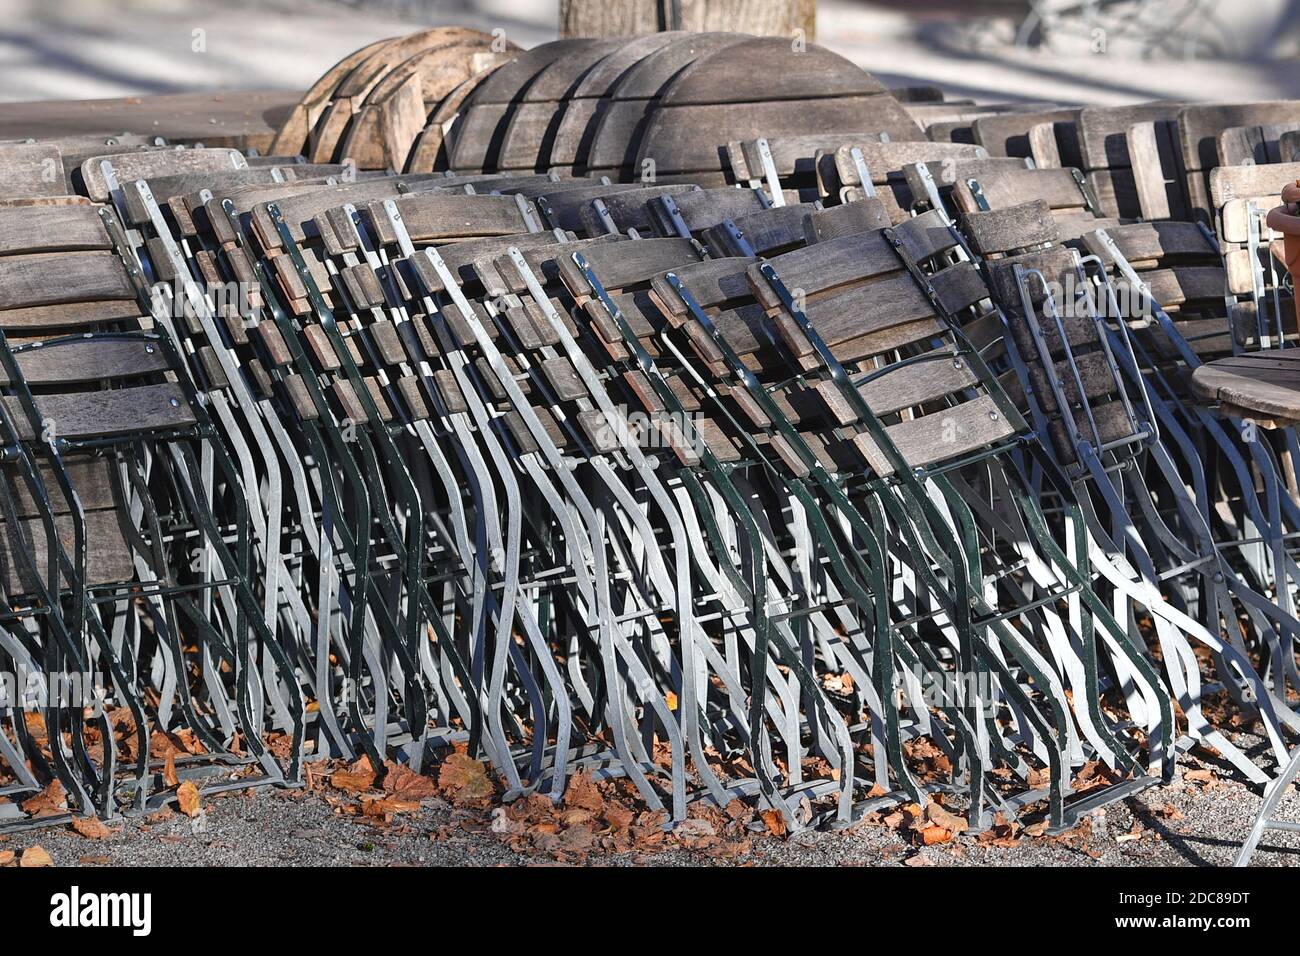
187, 799
35, 856
464, 780
93, 828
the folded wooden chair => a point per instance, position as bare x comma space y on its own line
1069, 199
1262, 300
500, 372
712, 441
1090, 401
144, 529
843, 170
868, 255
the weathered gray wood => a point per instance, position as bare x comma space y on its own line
1156, 165
673, 140
55, 278
36, 229
790, 154
1116, 192
842, 316
887, 161
1010, 187
1176, 287
916, 384
702, 208
926, 236
728, 75
1043, 146
129, 167
1246, 182
68, 316
432, 217
1112, 423
235, 119
108, 560
1234, 217
1012, 227
1103, 131
959, 286
1200, 123
382, 105
827, 265
109, 413
543, 261
30, 170
87, 360
1152, 242
629, 209
532, 127
292, 136
1007, 134
299, 207
1267, 383
564, 204
762, 17
847, 219
768, 232
624, 264
940, 436
90, 476
469, 259
710, 283
431, 149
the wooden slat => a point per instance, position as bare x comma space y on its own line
1013, 227
672, 135
108, 560
1103, 131
826, 265
926, 236
33, 229
843, 316
87, 360
630, 209
710, 283
236, 119
846, 219
131, 166
28, 170
940, 436
1007, 134
56, 278
1244, 182
1009, 187
1155, 242
122, 411
1157, 166
617, 266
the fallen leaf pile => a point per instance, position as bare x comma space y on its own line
596, 817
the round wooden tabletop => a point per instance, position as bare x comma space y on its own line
1262, 384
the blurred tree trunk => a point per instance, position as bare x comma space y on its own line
596, 18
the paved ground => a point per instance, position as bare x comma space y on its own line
1199, 820
102, 48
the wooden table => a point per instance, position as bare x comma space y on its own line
240, 119
1262, 386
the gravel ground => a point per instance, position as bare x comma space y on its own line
1187, 823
